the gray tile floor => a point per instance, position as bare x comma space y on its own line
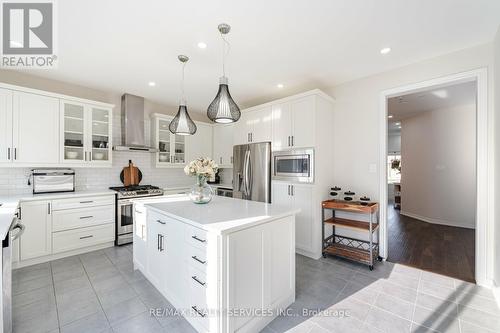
100, 292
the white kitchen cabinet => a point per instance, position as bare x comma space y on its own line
157, 270
35, 129
223, 145
301, 197
64, 226
255, 125
293, 123
171, 148
5, 126
282, 125
253, 267
85, 134
200, 144
36, 241
140, 237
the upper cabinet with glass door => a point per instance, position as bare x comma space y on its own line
171, 147
86, 134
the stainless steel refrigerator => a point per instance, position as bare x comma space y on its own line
252, 172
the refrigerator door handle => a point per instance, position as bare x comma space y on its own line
246, 173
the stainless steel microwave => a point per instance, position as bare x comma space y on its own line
294, 165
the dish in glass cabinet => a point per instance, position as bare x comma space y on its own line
163, 158
71, 155
98, 156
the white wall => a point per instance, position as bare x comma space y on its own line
357, 112
497, 157
438, 180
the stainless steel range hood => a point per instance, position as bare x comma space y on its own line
132, 119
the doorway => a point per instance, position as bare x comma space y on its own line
483, 256
431, 173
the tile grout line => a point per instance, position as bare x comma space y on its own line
55, 298
95, 292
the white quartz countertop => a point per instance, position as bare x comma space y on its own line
10, 203
222, 215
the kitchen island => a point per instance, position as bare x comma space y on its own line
227, 266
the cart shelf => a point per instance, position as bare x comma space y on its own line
353, 224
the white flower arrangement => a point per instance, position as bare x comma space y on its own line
201, 167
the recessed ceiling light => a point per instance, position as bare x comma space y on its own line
390, 116
151, 84
280, 85
399, 127
397, 124
202, 45
385, 50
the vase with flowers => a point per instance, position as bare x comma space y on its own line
203, 169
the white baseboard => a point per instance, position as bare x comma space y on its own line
496, 292
434, 221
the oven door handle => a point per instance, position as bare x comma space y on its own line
21, 228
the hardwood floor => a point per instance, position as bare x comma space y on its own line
431, 247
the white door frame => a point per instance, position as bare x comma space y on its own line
484, 205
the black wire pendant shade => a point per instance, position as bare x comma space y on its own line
182, 124
223, 109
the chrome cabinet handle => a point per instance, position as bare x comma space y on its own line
198, 260
85, 237
161, 243
90, 156
293, 190
86, 217
289, 141
15, 153
292, 140
197, 280
86, 202
161, 222
198, 239
198, 311
8, 154
288, 189
48, 208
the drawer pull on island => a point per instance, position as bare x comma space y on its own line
199, 260
198, 239
85, 237
198, 311
196, 279
86, 202
86, 217
161, 222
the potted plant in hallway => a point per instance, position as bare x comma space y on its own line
203, 169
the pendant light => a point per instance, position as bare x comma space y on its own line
223, 108
182, 124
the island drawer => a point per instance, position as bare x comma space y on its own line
196, 237
83, 202
79, 238
82, 217
197, 258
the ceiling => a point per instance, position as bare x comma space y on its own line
407, 106
121, 45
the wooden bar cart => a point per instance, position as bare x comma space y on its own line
363, 251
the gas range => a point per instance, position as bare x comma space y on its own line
137, 191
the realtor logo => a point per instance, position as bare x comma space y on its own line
28, 31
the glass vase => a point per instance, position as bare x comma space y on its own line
201, 192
